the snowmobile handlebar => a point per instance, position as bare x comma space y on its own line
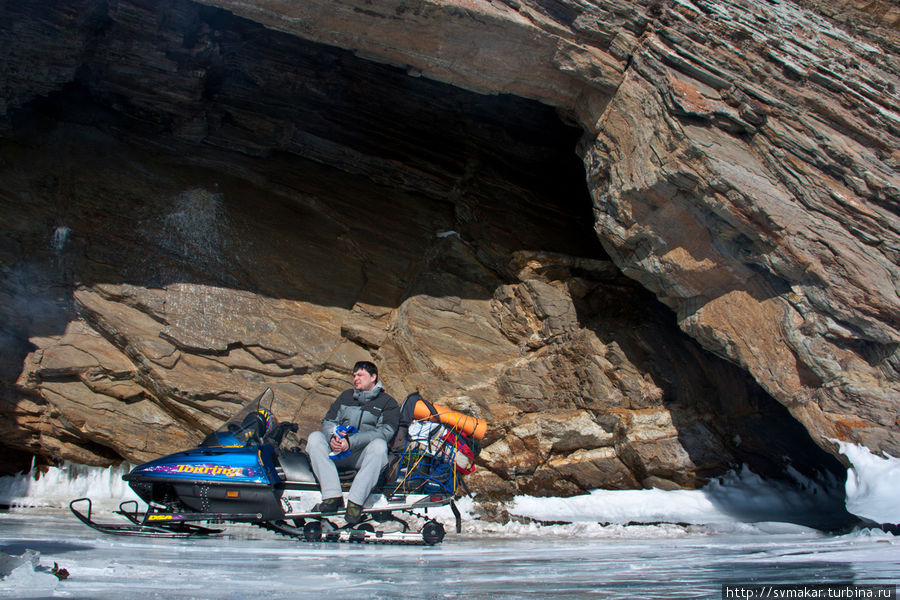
277, 433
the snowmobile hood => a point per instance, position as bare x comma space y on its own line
247, 465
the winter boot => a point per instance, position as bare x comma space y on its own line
354, 513
330, 506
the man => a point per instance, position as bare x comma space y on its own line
376, 417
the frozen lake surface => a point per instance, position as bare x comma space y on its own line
739, 529
581, 560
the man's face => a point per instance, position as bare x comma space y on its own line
362, 380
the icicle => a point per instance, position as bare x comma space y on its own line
60, 238
58, 486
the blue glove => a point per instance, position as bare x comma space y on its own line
342, 431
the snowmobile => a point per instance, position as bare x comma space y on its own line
241, 474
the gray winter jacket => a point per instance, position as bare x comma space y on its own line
376, 418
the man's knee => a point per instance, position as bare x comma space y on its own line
377, 446
316, 439
376, 451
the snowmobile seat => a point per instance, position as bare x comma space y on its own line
296, 467
347, 475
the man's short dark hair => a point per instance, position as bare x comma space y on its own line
366, 366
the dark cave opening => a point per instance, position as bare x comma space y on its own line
136, 163
238, 92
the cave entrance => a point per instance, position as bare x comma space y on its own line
253, 152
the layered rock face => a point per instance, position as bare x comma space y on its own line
742, 159
199, 207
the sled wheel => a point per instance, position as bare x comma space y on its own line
312, 531
366, 527
433, 533
358, 536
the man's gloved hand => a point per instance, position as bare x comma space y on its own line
340, 446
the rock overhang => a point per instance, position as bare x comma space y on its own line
601, 97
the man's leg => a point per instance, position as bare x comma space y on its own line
372, 459
326, 472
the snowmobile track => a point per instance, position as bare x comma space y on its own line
351, 536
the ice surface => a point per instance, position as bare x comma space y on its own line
485, 561
873, 484
738, 529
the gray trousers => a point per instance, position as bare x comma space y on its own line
368, 462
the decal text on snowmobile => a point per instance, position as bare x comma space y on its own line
210, 470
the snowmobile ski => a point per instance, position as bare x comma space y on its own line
173, 526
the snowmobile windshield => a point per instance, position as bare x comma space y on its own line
248, 426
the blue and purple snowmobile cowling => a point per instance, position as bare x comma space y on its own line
241, 474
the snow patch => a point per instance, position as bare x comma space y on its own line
734, 498
873, 484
